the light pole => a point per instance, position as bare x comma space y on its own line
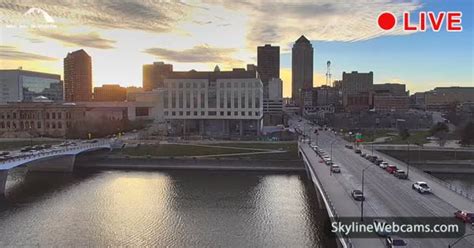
408, 159
363, 194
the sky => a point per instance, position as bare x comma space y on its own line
121, 36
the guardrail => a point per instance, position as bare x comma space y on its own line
54, 152
346, 241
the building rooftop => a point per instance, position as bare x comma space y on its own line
302, 39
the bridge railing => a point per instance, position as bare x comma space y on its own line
330, 204
53, 152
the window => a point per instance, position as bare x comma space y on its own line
180, 85
166, 113
60, 125
222, 113
249, 97
188, 99
236, 113
203, 99
236, 99
212, 113
173, 113
250, 113
221, 98
47, 115
203, 113
195, 113
257, 102
165, 99
53, 115
180, 113
188, 113
173, 99
180, 99
141, 111
59, 115
53, 125
228, 113
38, 125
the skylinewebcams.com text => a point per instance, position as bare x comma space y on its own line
356, 227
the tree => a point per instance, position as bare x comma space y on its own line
440, 130
404, 134
467, 134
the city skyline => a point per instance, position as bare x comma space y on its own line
227, 34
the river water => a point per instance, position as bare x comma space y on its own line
162, 209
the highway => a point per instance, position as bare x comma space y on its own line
386, 195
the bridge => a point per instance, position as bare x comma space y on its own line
386, 195
53, 160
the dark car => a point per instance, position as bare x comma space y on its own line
373, 159
400, 174
464, 216
378, 161
358, 195
393, 241
357, 151
348, 146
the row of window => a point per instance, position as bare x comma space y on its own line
211, 113
176, 99
34, 115
31, 125
201, 85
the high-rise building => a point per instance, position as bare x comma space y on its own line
301, 67
110, 93
26, 86
78, 76
155, 74
357, 90
268, 64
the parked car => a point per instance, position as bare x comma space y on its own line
26, 149
391, 169
383, 165
464, 216
348, 146
363, 154
421, 187
378, 161
328, 161
335, 168
357, 151
357, 195
394, 241
373, 159
4, 153
401, 174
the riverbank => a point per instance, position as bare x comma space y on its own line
191, 164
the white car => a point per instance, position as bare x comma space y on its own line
383, 165
421, 187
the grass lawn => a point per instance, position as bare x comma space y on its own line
13, 145
418, 137
177, 150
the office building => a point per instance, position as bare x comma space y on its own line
26, 86
357, 90
78, 76
273, 104
390, 97
154, 75
110, 93
213, 103
445, 98
301, 67
268, 64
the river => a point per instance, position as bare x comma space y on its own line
162, 209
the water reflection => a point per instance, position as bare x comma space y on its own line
172, 209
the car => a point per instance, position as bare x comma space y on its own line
380, 224
357, 151
378, 161
363, 154
383, 165
464, 216
328, 161
421, 187
394, 241
400, 174
348, 146
373, 159
358, 195
391, 169
4, 153
335, 168
26, 149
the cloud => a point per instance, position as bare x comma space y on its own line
196, 54
282, 22
149, 15
83, 40
11, 53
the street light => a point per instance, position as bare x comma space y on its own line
363, 194
408, 160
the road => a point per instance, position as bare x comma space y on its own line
386, 195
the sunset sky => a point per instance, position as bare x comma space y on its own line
121, 36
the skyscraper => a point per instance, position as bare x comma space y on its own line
301, 67
78, 76
268, 64
155, 74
